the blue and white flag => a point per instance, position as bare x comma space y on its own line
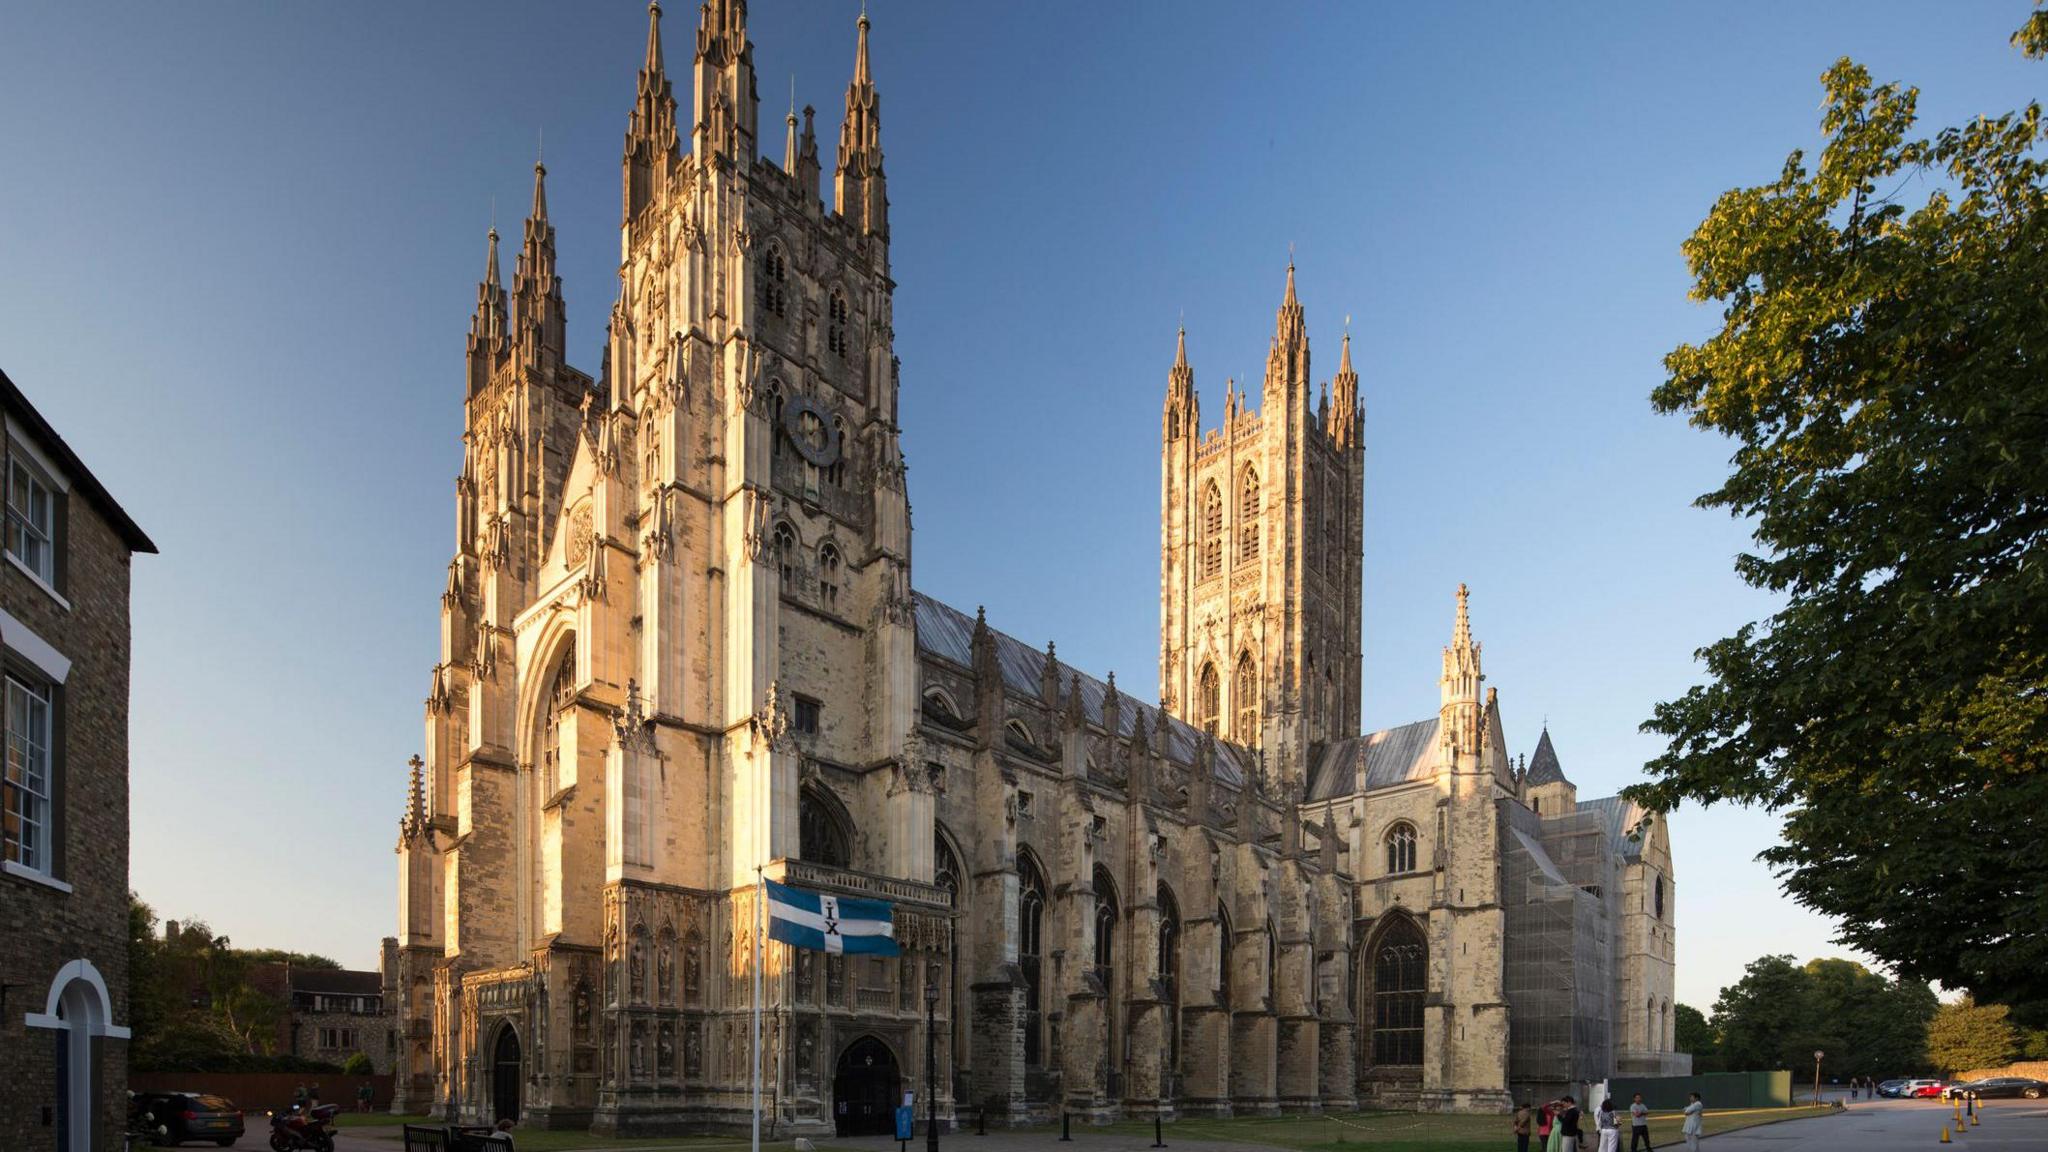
825, 923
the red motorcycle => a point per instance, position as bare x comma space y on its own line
302, 1131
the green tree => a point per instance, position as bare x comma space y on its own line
1692, 1034
357, 1064
1965, 1035
1765, 1018
1882, 365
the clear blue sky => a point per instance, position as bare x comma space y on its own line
239, 245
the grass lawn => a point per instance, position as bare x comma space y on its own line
1415, 1131
385, 1125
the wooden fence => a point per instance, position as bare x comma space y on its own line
258, 1092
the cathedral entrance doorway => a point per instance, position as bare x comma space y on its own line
864, 1090
505, 1076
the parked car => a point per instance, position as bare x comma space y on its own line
1891, 1087
187, 1116
2001, 1088
1922, 1089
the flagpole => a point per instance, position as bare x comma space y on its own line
760, 902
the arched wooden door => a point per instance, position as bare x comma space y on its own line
505, 1075
865, 1090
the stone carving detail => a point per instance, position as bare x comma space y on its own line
771, 725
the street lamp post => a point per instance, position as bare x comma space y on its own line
1817, 1054
931, 1062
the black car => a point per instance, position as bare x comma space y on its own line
184, 1116
2002, 1088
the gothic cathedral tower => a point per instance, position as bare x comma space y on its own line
1261, 531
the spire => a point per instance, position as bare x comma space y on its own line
860, 186
651, 70
1461, 630
537, 319
651, 130
726, 103
1287, 364
807, 168
789, 144
487, 326
1346, 415
1183, 410
1543, 767
1459, 713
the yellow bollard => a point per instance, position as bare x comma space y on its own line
1944, 1134
1974, 1121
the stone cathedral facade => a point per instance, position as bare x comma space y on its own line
681, 649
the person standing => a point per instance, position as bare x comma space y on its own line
1694, 1122
1605, 1123
1568, 1124
1638, 1123
1522, 1123
1553, 1132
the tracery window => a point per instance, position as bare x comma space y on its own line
1224, 940
1169, 972
835, 332
945, 868
821, 837
1207, 704
828, 574
1245, 694
1400, 841
1398, 985
1212, 531
1248, 517
1105, 962
561, 693
1660, 898
1030, 949
774, 281
785, 553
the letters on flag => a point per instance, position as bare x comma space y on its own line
825, 923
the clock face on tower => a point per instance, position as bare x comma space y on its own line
805, 423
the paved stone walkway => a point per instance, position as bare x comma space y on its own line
1895, 1125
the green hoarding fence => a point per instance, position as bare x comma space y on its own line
1717, 1090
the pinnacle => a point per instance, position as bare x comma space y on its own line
540, 191
1344, 358
1180, 352
653, 66
1461, 632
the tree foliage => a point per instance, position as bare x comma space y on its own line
1882, 366
1965, 1034
1780, 1013
196, 1003
1693, 1035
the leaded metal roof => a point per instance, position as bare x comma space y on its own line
1543, 765
948, 633
1623, 816
1382, 759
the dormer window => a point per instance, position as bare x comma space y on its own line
31, 522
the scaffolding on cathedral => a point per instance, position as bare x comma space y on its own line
1561, 884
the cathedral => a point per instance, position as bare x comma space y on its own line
681, 650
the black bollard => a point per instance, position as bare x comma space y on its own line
981, 1122
1158, 1136
1064, 1133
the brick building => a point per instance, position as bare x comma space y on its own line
64, 643
336, 1012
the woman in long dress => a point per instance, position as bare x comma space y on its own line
1691, 1129
1556, 1109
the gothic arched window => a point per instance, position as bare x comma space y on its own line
1212, 531
835, 332
561, 693
785, 553
1272, 963
1105, 961
1399, 982
1224, 942
1169, 972
1030, 955
775, 436
1660, 898
1248, 517
828, 574
1400, 842
774, 293
1207, 704
1244, 693
945, 868
822, 837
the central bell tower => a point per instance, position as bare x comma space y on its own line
1261, 533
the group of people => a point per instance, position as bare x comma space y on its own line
1858, 1086
1559, 1126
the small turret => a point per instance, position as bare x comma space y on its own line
726, 105
1287, 363
1459, 687
807, 167
860, 188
